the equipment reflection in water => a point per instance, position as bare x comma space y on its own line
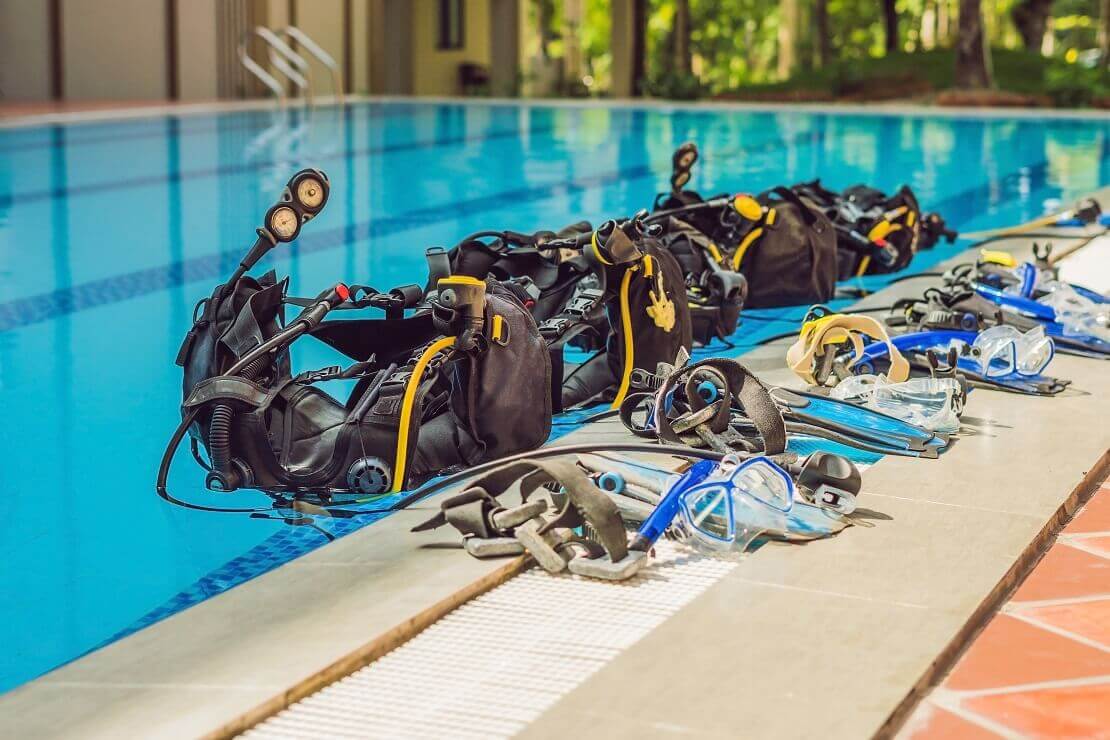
111, 232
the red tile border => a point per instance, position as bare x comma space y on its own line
1064, 573
1072, 712
930, 722
1087, 619
1010, 652
1094, 516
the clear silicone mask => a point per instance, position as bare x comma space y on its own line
1003, 350
930, 403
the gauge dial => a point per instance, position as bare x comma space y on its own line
310, 193
284, 222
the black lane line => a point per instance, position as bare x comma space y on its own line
8, 200
45, 306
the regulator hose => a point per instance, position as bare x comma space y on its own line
223, 476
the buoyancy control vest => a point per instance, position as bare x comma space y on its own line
615, 291
715, 293
876, 233
453, 380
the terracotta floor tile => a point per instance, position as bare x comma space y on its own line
1090, 619
1095, 516
1066, 572
1077, 712
1102, 544
930, 722
1010, 652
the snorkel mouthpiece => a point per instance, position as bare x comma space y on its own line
830, 481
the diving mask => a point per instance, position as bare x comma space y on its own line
1077, 313
930, 403
1003, 350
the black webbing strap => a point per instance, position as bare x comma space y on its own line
744, 387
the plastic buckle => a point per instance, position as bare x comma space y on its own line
583, 303
313, 376
554, 328
640, 378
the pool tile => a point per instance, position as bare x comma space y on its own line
1065, 573
1073, 712
1101, 544
930, 722
1095, 515
1010, 652
1089, 619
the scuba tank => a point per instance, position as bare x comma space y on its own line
431, 377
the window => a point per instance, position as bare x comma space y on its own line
451, 32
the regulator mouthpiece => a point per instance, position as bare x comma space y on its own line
461, 308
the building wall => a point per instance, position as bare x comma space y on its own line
197, 71
114, 50
24, 50
436, 72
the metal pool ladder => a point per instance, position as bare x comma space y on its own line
286, 60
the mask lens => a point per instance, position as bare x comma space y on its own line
708, 511
997, 350
766, 483
1034, 351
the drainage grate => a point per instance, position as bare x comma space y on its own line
493, 665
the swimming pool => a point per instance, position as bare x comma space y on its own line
110, 232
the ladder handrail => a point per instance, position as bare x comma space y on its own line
321, 55
282, 55
260, 72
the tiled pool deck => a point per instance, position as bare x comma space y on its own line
1041, 667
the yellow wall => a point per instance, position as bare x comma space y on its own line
436, 72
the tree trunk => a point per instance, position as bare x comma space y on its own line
972, 53
639, 45
890, 24
821, 31
1104, 32
1031, 18
928, 33
788, 37
681, 36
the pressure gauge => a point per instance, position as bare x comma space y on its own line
284, 223
310, 193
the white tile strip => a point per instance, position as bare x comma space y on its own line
492, 666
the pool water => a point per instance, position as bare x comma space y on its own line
111, 232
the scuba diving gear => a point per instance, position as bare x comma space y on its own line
567, 521
784, 248
726, 506
430, 386
984, 365
930, 403
745, 415
715, 294
814, 356
876, 233
967, 303
621, 294
1083, 213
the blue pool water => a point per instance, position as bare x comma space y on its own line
110, 232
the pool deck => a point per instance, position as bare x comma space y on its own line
837, 638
